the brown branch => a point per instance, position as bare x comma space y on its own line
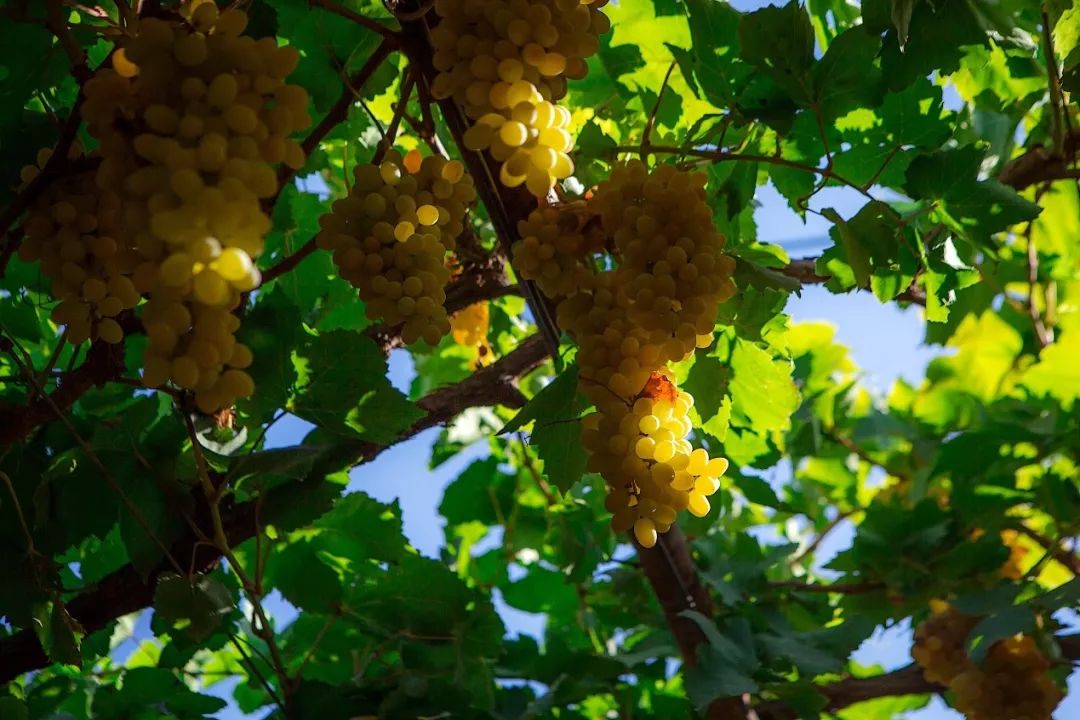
905, 681
675, 581
1039, 165
805, 271
331, 6
125, 591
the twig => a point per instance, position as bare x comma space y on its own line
884, 164
1042, 335
1058, 115
330, 6
725, 156
330, 621
841, 588
805, 271
387, 142
252, 669
816, 542
1060, 554
54, 19
19, 512
646, 136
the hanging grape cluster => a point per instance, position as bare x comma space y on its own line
940, 643
192, 117
469, 328
1012, 682
391, 236
506, 64
72, 231
652, 302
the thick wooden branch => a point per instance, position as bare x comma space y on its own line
905, 681
124, 591
674, 578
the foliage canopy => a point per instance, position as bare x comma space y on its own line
952, 122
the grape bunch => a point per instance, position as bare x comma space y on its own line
507, 64
469, 328
1012, 683
555, 246
192, 118
653, 471
639, 273
391, 236
72, 231
940, 643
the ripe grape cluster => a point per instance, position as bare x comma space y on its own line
72, 231
469, 328
1012, 682
391, 235
940, 643
506, 64
192, 117
1013, 567
649, 301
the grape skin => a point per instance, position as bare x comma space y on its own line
191, 118
386, 247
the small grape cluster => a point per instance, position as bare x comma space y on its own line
469, 328
650, 300
192, 118
72, 231
391, 236
506, 64
940, 641
1012, 682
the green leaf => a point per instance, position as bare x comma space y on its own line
60, 634
481, 493
779, 42
1057, 374
13, 709
714, 30
724, 666
556, 435
343, 388
848, 76
197, 605
979, 208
